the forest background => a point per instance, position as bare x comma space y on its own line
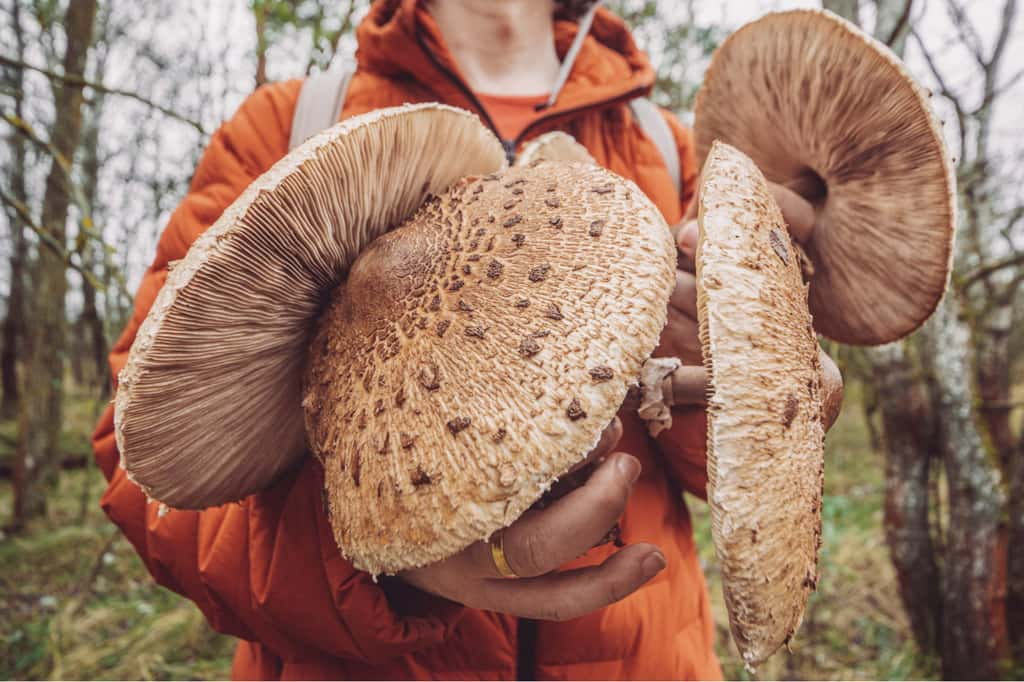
105, 108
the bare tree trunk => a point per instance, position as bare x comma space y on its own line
41, 406
260, 14
992, 336
974, 637
1015, 566
909, 437
92, 326
13, 332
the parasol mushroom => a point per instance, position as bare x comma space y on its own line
476, 353
765, 412
449, 371
826, 110
208, 406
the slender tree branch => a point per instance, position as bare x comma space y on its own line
995, 92
968, 34
76, 79
44, 235
25, 129
901, 23
1009, 10
985, 271
945, 91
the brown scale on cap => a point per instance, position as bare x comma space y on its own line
479, 397
829, 112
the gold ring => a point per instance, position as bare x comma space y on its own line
498, 556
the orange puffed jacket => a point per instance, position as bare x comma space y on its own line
267, 570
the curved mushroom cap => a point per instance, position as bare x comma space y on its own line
553, 146
208, 407
765, 437
477, 353
826, 110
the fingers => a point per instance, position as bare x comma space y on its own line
609, 438
684, 296
796, 211
680, 338
571, 594
831, 390
541, 541
686, 238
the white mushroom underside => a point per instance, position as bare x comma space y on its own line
765, 439
208, 407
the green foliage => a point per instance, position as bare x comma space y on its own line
79, 603
77, 600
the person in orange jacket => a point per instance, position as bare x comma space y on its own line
268, 571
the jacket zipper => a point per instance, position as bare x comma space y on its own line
510, 146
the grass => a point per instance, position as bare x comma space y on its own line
78, 602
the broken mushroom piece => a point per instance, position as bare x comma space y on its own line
208, 406
476, 353
553, 146
765, 432
831, 113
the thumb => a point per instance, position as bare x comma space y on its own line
686, 239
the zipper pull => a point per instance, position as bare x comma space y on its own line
510, 150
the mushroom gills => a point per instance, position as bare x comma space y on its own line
208, 405
831, 113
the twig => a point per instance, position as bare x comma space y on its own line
51, 242
946, 92
901, 23
968, 34
1009, 9
984, 271
84, 208
997, 91
85, 586
76, 79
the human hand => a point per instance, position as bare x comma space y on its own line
680, 338
542, 540
681, 335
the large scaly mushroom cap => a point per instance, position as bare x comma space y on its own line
476, 353
765, 435
208, 407
831, 113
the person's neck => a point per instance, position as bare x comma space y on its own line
505, 48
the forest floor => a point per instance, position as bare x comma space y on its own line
78, 602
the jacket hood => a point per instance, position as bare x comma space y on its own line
399, 39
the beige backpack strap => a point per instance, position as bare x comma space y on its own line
656, 127
320, 102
